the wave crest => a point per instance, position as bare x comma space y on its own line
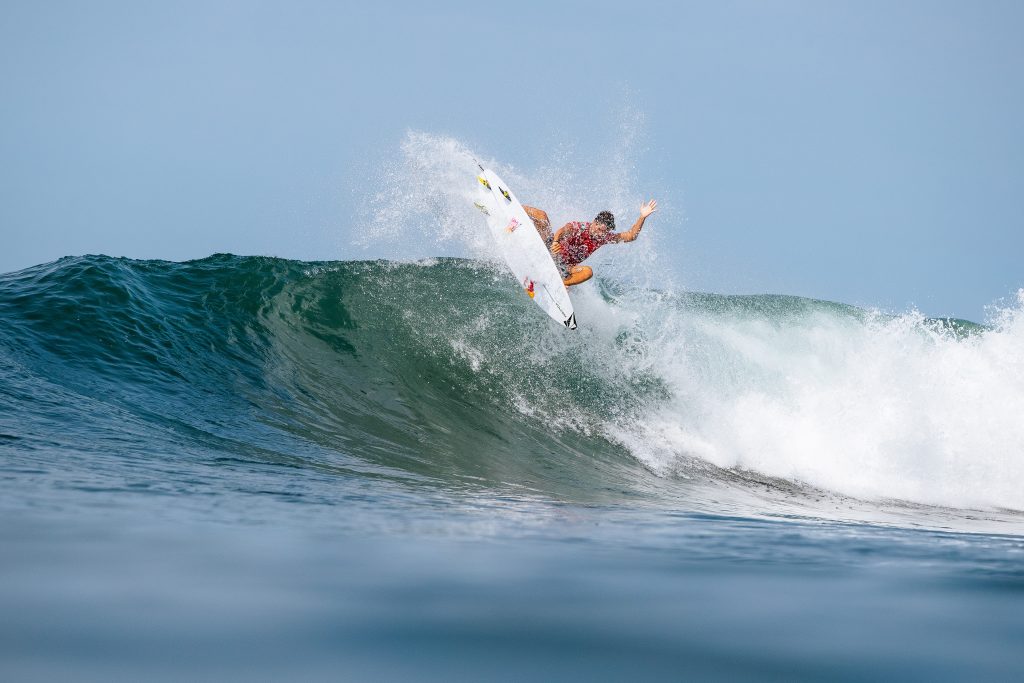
441, 370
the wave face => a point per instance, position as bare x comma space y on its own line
441, 372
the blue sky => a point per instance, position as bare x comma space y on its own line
866, 152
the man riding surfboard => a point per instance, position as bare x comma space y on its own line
576, 241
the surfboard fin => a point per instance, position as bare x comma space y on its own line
483, 181
570, 322
482, 208
504, 192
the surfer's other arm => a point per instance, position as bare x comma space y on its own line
540, 221
645, 211
556, 241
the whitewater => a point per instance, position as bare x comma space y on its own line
864, 403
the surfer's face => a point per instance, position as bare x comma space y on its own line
598, 228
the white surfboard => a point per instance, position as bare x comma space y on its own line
523, 249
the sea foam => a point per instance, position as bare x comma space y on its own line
863, 403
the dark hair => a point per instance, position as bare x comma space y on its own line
607, 218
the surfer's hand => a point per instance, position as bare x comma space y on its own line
648, 208
555, 248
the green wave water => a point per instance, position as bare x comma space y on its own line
360, 362
440, 372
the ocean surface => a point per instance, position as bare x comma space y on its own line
247, 468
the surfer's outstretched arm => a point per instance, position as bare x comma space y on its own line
645, 211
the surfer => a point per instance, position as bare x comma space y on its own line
576, 241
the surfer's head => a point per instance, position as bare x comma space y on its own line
604, 221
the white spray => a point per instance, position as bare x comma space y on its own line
872, 406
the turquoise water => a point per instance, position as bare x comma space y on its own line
250, 467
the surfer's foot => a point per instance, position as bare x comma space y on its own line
577, 275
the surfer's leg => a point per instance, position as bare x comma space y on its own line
541, 222
577, 275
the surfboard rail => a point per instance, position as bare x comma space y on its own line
522, 248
